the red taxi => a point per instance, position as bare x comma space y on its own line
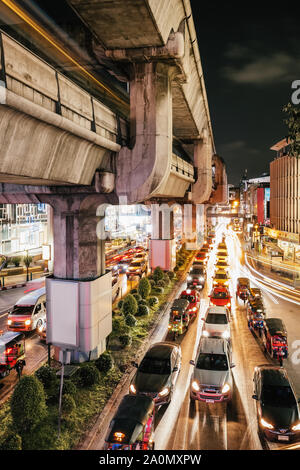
193, 297
220, 296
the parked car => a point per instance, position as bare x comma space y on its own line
276, 404
217, 322
158, 372
212, 377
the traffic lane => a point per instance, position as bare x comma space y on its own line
35, 354
289, 314
160, 334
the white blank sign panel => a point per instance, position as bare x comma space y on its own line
64, 312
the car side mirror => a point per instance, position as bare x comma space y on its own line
232, 365
255, 397
175, 369
134, 364
192, 362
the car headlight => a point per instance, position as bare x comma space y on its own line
189, 278
40, 328
27, 322
195, 386
226, 283
225, 388
225, 334
296, 427
164, 392
9, 322
201, 278
228, 305
215, 282
205, 333
132, 389
194, 309
265, 424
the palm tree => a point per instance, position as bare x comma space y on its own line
27, 260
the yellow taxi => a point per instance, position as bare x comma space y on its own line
221, 278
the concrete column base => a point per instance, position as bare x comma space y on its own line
163, 254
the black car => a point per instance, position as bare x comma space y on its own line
158, 372
196, 277
277, 406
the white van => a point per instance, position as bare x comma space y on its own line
29, 313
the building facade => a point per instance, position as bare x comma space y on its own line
285, 199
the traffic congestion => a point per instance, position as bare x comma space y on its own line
215, 373
195, 374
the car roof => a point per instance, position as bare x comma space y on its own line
32, 297
161, 350
274, 375
216, 309
212, 345
220, 271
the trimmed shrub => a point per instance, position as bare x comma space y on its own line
143, 302
171, 275
68, 404
12, 441
16, 260
130, 320
47, 375
125, 340
143, 310
158, 274
144, 288
152, 301
130, 305
28, 404
88, 375
152, 282
105, 362
166, 279
137, 297
161, 283
134, 291
157, 290
69, 388
120, 304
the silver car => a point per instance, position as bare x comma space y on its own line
212, 377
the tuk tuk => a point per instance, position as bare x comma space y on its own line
132, 427
275, 338
255, 293
242, 289
256, 314
193, 296
12, 353
179, 317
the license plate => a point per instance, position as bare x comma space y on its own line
283, 438
210, 401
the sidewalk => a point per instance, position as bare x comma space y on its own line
18, 280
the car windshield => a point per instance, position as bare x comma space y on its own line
152, 365
216, 318
278, 396
22, 310
220, 295
196, 271
190, 298
221, 276
136, 264
212, 362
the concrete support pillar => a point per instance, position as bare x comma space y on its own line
162, 243
193, 226
79, 259
143, 167
201, 189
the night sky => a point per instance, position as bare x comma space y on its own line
250, 55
